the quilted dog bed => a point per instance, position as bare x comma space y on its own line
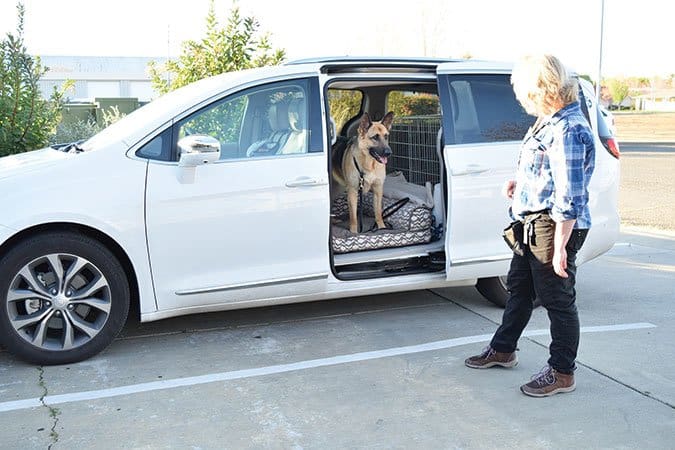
411, 224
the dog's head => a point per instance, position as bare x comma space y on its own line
374, 137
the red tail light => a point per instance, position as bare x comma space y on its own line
612, 146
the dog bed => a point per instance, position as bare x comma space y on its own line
411, 224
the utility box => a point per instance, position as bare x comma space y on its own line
76, 112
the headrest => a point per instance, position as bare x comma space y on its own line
297, 114
278, 116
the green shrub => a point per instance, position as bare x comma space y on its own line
74, 131
26, 119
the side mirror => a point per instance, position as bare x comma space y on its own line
198, 149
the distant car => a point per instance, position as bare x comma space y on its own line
216, 196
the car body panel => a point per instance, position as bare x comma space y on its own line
238, 231
106, 196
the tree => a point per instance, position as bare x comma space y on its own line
26, 119
618, 88
234, 47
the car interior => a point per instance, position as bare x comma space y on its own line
413, 188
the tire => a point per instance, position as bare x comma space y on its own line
494, 290
63, 298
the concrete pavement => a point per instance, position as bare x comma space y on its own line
413, 399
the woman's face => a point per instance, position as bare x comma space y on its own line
527, 100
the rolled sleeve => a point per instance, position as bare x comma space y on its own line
567, 160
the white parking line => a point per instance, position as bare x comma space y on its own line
281, 368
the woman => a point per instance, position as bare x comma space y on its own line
550, 197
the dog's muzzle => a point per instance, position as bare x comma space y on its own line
381, 154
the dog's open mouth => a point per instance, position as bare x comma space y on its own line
382, 159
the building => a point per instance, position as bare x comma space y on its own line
100, 76
656, 100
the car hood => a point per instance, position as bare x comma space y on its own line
25, 162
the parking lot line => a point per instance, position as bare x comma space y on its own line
51, 400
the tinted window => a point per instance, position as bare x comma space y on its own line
411, 103
482, 108
158, 147
268, 120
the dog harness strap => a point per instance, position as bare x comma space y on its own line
359, 207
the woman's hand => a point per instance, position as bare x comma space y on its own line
508, 189
560, 262
563, 231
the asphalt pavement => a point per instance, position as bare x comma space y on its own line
647, 190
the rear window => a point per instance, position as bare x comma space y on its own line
482, 108
343, 104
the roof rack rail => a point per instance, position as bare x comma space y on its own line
365, 64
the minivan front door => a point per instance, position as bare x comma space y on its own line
253, 225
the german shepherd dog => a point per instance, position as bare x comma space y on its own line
359, 165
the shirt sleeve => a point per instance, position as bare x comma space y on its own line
567, 160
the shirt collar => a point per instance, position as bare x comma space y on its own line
566, 111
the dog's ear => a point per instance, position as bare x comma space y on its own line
388, 119
364, 123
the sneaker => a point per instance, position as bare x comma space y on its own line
491, 358
549, 382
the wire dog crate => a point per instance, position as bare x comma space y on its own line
413, 141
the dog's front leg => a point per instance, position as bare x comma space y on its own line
353, 201
377, 205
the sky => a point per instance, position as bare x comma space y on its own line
637, 40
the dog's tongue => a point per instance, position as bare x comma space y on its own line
383, 160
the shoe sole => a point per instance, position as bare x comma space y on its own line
507, 365
548, 394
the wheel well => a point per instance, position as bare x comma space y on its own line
93, 233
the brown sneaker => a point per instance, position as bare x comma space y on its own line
491, 358
549, 382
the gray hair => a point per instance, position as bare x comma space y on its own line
542, 83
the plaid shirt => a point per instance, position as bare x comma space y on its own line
556, 162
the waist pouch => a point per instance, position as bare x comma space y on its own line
513, 236
539, 235
536, 232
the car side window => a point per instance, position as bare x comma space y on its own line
483, 108
265, 121
158, 148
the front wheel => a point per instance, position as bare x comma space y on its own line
63, 298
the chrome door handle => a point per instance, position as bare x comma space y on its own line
306, 182
471, 169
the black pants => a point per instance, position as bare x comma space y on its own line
532, 276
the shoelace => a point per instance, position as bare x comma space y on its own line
487, 352
545, 377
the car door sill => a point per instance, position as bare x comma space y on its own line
254, 284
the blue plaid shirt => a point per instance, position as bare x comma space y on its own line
556, 162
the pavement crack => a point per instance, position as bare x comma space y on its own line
647, 394
53, 412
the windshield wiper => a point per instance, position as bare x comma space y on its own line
71, 147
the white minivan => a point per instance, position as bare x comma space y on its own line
217, 196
